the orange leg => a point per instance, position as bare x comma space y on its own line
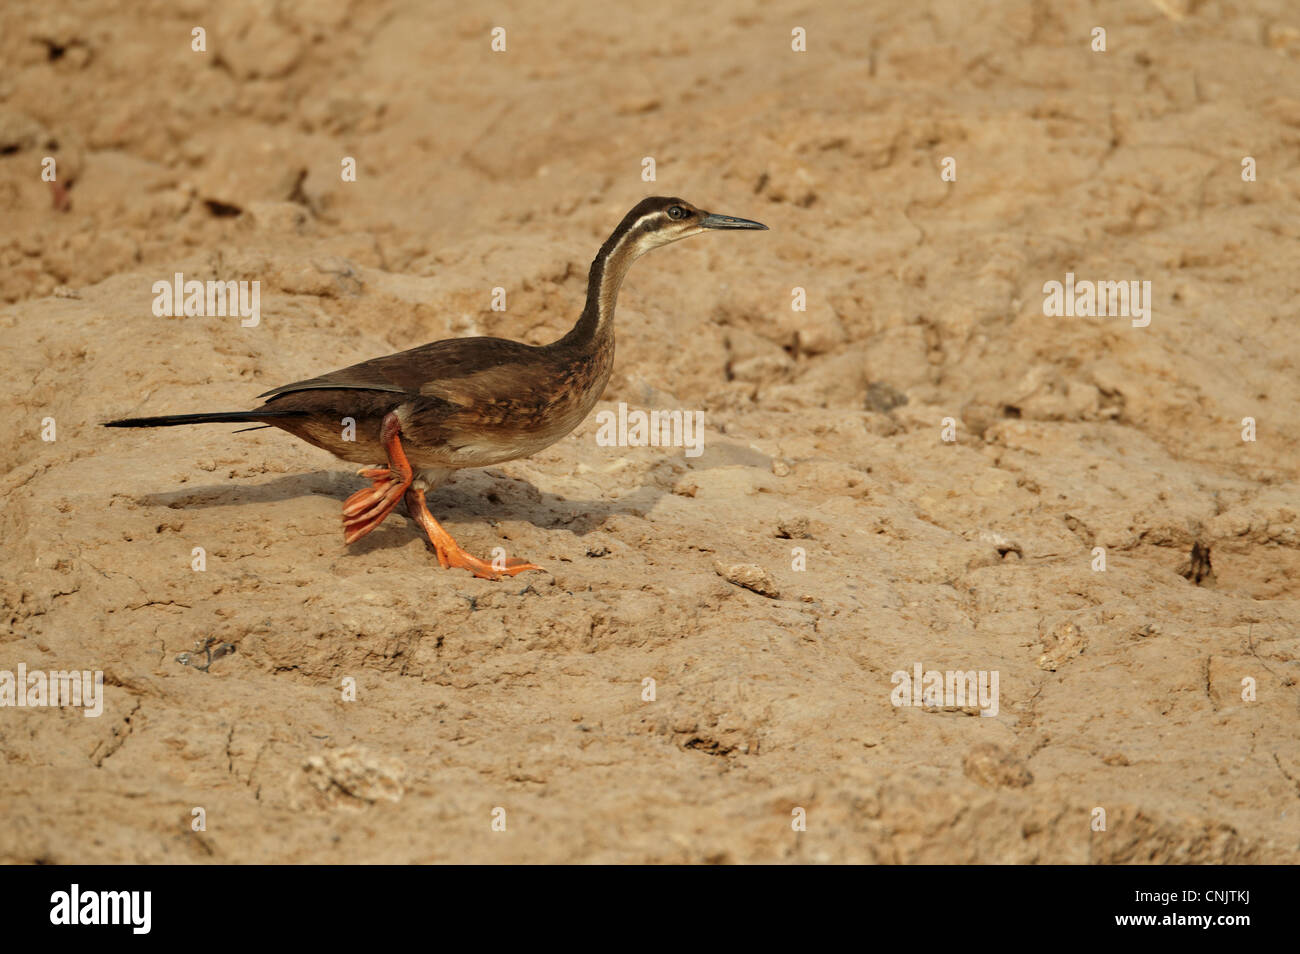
61, 200
367, 508
449, 552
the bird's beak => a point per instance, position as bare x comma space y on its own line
714, 221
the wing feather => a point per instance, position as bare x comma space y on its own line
430, 368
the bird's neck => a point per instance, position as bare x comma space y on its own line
595, 328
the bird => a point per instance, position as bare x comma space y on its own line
465, 402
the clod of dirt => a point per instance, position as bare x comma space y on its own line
793, 528
992, 766
351, 778
1060, 643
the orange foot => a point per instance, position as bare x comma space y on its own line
449, 551
367, 508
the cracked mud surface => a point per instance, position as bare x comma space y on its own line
1119, 689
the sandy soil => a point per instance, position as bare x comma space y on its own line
1119, 690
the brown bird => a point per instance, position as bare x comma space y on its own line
465, 402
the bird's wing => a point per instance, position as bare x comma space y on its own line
443, 369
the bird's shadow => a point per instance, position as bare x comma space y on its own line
477, 496
474, 497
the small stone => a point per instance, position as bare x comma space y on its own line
883, 397
19, 132
751, 576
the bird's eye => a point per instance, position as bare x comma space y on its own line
676, 212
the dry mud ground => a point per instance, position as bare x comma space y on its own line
1119, 690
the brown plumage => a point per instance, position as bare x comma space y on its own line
465, 402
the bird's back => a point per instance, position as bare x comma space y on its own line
464, 402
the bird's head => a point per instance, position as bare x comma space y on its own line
659, 220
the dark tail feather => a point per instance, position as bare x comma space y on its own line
216, 417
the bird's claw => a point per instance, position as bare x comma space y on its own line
367, 508
480, 568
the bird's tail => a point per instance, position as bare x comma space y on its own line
215, 417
